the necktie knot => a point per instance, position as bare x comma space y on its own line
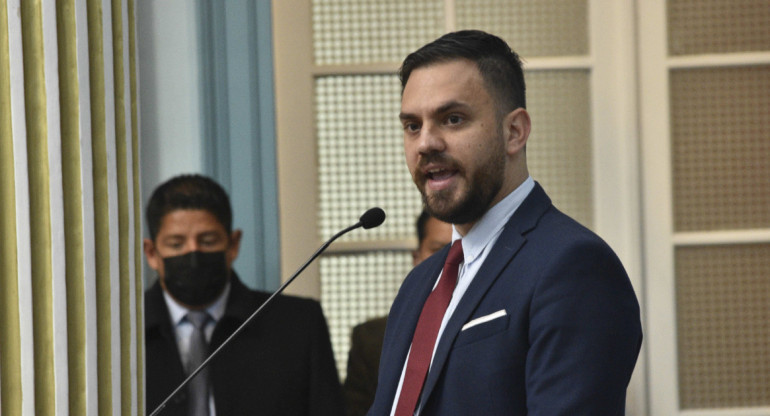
455, 253
198, 319
448, 279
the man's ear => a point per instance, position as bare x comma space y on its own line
517, 125
153, 258
234, 247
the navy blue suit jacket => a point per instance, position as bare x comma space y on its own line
566, 344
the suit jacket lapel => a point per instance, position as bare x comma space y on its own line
502, 252
163, 348
402, 322
156, 312
239, 307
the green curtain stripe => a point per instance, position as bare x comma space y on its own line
101, 206
69, 98
102, 268
10, 338
123, 208
137, 208
40, 228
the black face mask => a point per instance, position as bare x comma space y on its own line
196, 278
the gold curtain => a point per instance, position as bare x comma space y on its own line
70, 211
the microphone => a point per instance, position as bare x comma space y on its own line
373, 217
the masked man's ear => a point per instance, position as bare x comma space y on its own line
153, 258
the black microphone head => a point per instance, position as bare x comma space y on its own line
373, 217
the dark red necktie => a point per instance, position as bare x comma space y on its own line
427, 330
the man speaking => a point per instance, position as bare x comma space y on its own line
528, 312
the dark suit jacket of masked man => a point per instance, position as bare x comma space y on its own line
280, 364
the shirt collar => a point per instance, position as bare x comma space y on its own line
216, 309
493, 221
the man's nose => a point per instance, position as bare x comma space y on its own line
193, 245
430, 140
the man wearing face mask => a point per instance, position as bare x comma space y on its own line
280, 364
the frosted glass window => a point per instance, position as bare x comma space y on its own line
371, 31
356, 288
718, 26
531, 27
720, 127
723, 325
559, 147
361, 156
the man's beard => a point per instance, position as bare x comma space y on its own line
483, 187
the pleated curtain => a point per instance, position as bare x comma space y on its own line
70, 211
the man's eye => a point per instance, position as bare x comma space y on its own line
209, 243
454, 119
411, 127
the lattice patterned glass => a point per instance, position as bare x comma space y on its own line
718, 26
371, 31
356, 288
559, 147
531, 27
361, 156
720, 121
723, 325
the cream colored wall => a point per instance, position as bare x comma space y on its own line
295, 142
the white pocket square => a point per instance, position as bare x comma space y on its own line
483, 319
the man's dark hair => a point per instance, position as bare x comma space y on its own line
188, 192
422, 224
500, 67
